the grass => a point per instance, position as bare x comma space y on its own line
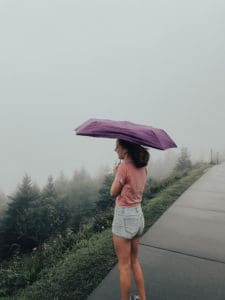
154, 208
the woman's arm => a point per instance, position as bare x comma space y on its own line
116, 185
115, 188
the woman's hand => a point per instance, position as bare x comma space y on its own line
116, 185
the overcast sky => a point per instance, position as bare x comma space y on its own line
159, 63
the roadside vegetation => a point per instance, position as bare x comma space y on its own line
56, 243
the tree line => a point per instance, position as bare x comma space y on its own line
34, 215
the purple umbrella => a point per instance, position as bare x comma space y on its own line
136, 133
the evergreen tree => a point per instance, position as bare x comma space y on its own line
104, 206
23, 197
49, 214
82, 195
15, 226
49, 190
61, 185
3, 202
105, 200
184, 161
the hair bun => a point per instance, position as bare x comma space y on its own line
138, 154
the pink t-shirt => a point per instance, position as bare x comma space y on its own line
133, 181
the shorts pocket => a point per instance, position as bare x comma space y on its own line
131, 224
142, 225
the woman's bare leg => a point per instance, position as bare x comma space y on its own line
136, 268
123, 250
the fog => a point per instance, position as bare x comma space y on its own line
159, 63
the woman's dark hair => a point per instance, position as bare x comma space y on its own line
139, 155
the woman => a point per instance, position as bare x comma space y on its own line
128, 222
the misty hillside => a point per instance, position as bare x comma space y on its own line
55, 239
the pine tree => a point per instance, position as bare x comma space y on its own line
49, 190
105, 200
184, 161
3, 202
15, 226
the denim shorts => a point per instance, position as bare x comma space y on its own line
128, 222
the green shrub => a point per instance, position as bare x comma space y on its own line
75, 276
102, 220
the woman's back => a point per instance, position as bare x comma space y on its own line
133, 180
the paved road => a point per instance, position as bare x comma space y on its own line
183, 253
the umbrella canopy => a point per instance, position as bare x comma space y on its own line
136, 133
